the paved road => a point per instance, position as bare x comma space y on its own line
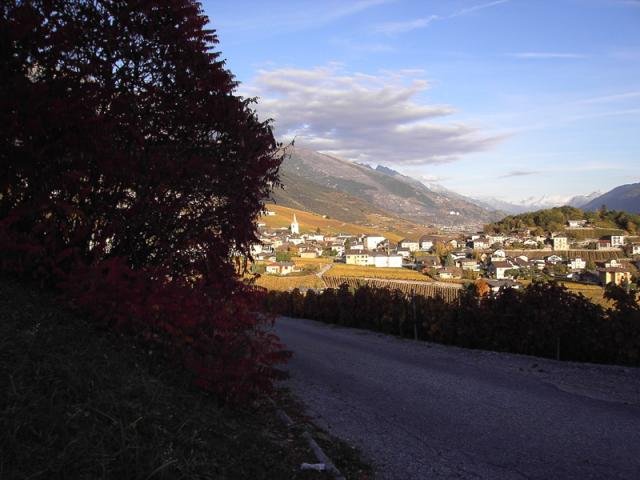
425, 411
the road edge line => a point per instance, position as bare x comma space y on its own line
321, 456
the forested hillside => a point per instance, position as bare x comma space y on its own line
555, 219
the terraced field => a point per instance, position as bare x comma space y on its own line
355, 271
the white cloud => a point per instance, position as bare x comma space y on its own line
282, 17
371, 118
475, 8
547, 55
393, 28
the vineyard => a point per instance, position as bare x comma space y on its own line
424, 289
588, 233
587, 255
595, 293
273, 282
356, 271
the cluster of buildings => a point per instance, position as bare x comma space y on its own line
453, 257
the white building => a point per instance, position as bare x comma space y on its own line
315, 237
560, 242
295, 228
426, 242
382, 260
411, 245
617, 241
357, 257
499, 269
577, 223
371, 242
577, 264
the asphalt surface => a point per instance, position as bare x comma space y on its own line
425, 411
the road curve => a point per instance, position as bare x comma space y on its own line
425, 411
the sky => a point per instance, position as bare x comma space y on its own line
512, 99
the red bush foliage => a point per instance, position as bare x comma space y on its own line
130, 174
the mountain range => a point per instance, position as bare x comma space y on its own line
358, 193
624, 197
536, 203
352, 192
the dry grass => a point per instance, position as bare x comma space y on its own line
393, 228
343, 270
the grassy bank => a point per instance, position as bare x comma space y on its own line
81, 402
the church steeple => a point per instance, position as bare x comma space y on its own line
295, 228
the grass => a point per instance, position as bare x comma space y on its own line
80, 402
343, 270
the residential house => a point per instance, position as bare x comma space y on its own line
560, 242
603, 244
411, 245
493, 239
315, 237
468, 264
577, 264
371, 242
404, 252
498, 255
617, 241
449, 273
479, 244
357, 247
617, 275
576, 223
431, 261
338, 248
280, 268
426, 242
382, 260
309, 254
553, 259
495, 285
522, 261
635, 249
499, 269
539, 264
359, 257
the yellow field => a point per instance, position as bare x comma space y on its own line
342, 270
595, 293
393, 229
272, 282
312, 261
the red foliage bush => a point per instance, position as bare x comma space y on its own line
131, 174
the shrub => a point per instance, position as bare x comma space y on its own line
131, 174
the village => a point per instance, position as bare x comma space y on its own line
503, 260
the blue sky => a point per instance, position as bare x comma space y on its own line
505, 98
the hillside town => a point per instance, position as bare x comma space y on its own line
501, 259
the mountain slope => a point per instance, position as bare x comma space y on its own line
624, 197
313, 179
